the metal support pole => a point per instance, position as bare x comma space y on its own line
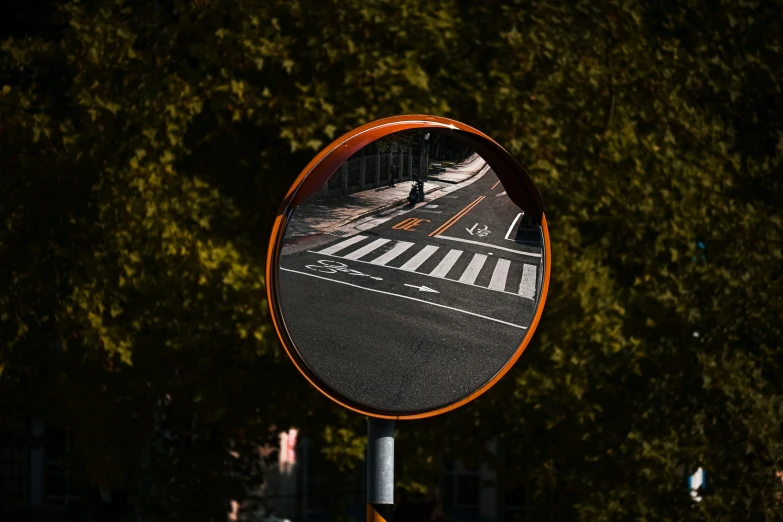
380, 470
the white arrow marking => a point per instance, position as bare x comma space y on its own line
470, 230
406, 296
423, 288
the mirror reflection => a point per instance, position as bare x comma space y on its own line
410, 278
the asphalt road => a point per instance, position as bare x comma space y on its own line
420, 310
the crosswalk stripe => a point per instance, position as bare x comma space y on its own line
472, 271
498, 281
527, 287
419, 259
398, 249
446, 263
342, 245
366, 249
500, 273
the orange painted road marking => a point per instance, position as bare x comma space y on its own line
495, 185
445, 226
408, 224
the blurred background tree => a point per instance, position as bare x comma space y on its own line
144, 147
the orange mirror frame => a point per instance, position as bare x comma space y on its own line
519, 187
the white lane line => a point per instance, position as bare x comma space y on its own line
421, 273
499, 275
407, 297
527, 287
398, 249
489, 246
342, 245
419, 259
366, 249
511, 228
472, 271
446, 263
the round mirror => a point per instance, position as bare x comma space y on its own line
408, 267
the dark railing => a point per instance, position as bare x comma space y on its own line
371, 168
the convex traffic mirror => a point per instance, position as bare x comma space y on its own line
408, 266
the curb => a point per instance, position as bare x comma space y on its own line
486, 165
380, 209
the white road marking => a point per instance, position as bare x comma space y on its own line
511, 228
419, 259
446, 263
489, 245
471, 273
423, 288
527, 287
501, 194
342, 245
407, 297
482, 232
499, 275
425, 274
366, 249
398, 249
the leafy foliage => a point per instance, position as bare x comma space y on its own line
145, 147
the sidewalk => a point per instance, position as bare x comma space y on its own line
322, 217
461, 171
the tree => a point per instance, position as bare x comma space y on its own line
654, 356
145, 147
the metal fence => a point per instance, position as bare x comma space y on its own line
372, 168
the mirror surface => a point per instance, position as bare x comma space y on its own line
409, 280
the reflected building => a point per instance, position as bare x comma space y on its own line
400, 157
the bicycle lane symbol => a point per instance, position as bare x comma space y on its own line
329, 266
